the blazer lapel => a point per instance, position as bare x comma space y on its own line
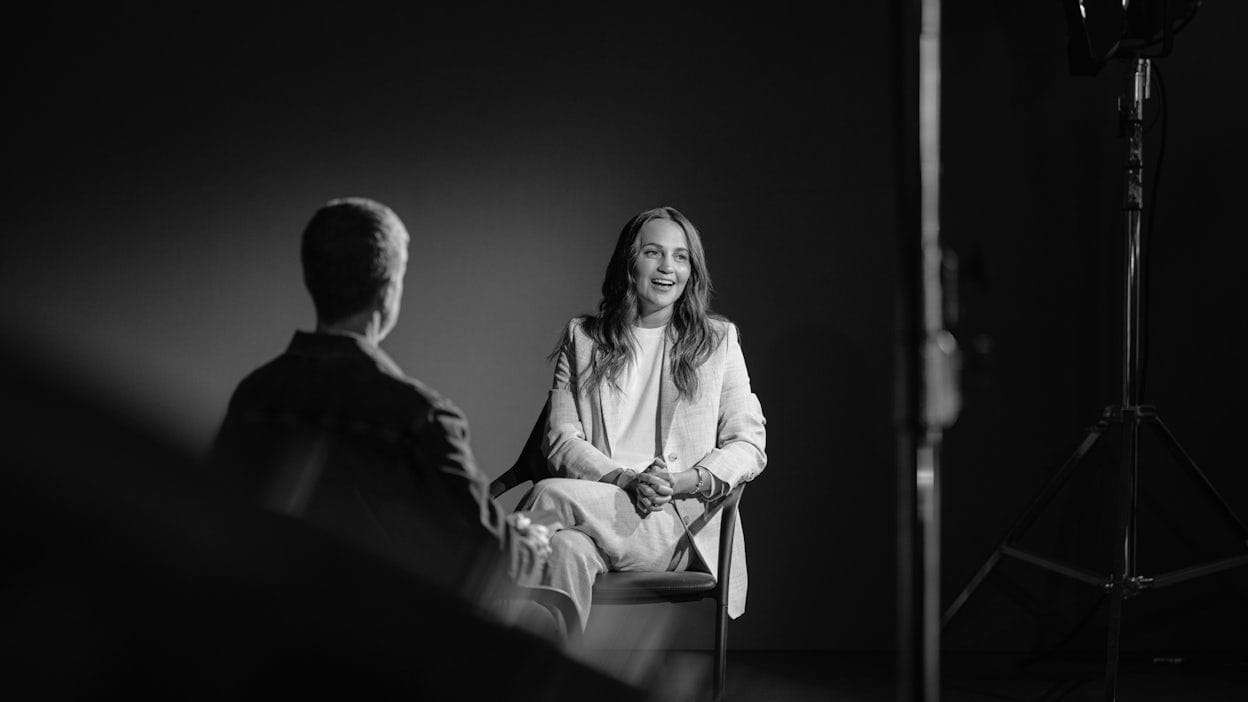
608, 401
668, 399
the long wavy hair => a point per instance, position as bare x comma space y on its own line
690, 335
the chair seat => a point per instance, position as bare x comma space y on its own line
627, 588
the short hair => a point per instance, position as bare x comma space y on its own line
352, 248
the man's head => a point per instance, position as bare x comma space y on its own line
354, 258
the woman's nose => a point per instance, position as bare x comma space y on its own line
665, 264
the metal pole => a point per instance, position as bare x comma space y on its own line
940, 399
1124, 579
1133, 207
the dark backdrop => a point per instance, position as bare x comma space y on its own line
1033, 190
166, 162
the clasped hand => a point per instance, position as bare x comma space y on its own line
652, 489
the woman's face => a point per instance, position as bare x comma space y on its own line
661, 270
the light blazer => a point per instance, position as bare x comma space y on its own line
722, 430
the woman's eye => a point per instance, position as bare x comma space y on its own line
682, 258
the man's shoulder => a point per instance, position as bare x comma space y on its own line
417, 393
260, 382
364, 388
406, 396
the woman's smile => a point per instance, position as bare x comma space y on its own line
661, 270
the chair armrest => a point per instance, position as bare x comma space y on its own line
508, 480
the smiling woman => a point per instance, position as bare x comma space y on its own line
660, 272
651, 420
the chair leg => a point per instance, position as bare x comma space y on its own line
721, 649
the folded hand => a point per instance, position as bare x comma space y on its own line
654, 487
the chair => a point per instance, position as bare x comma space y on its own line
644, 588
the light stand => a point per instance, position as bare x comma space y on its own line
1124, 581
928, 394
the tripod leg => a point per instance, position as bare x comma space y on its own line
1124, 547
1115, 631
1029, 515
1170, 441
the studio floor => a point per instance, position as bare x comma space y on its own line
806, 676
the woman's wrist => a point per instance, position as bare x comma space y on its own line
688, 482
625, 477
704, 479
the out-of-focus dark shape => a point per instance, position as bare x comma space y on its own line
1100, 30
130, 574
645, 587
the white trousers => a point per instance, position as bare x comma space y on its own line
602, 532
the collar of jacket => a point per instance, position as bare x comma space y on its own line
340, 343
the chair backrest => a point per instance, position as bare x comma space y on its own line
727, 532
530, 465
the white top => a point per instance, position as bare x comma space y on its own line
638, 390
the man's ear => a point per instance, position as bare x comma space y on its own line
392, 290
386, 307
384, 293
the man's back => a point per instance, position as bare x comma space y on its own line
333, 433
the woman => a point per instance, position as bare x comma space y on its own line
651, 420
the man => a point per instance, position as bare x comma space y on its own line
332, 431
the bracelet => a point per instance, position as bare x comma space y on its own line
701, 479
